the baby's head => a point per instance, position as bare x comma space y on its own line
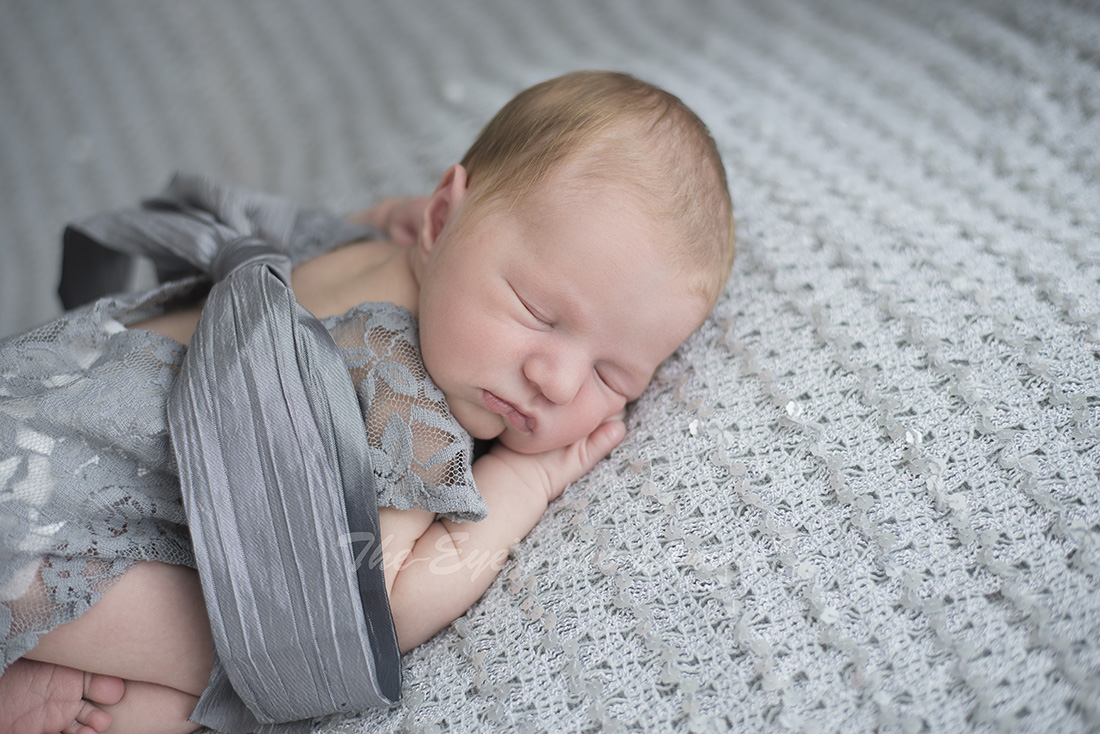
621, 131
586, 233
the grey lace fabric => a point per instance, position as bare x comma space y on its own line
419, 453
88, 485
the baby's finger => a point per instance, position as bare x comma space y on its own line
600, 443
404, 220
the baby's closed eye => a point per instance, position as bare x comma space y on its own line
540, 319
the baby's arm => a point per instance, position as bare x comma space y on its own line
436, 569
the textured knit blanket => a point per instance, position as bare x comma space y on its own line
864, 497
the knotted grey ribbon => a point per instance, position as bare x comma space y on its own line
272, 456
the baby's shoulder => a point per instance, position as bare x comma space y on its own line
317, 231
373, 332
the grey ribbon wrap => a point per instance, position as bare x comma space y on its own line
274, 469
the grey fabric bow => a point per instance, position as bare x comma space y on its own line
272, 456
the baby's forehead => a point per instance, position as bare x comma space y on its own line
595, 174
626, 152
632, 243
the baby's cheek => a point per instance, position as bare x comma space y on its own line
583, 424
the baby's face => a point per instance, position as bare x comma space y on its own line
540, 325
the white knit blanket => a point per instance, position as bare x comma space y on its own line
865, 496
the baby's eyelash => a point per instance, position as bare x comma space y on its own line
534, 314
537, 317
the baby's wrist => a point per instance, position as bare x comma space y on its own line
513, 476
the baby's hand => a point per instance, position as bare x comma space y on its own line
398, 217
551, 471
449, 564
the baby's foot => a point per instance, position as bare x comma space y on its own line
40, 698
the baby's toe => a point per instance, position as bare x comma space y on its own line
90, 720
104, 689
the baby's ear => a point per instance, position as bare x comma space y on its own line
442, 205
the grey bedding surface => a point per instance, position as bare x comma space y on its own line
864, 496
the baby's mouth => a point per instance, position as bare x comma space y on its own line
515, 417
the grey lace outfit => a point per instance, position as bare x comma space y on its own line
88, 481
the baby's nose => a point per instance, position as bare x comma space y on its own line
559, 379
